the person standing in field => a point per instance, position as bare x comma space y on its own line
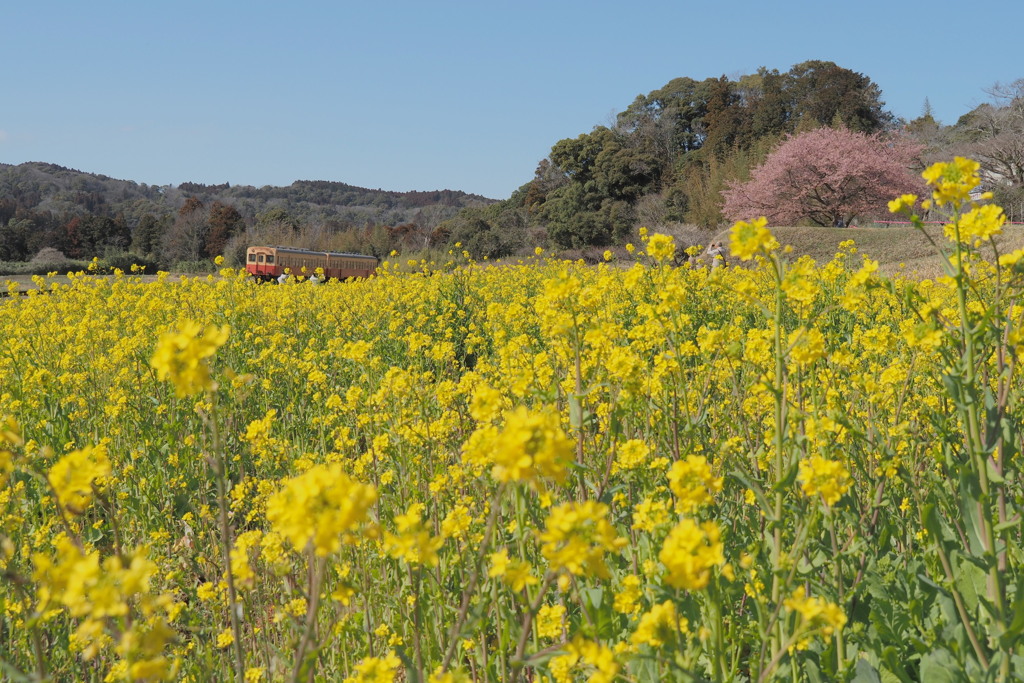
716, 253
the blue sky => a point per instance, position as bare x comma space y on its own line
431, 95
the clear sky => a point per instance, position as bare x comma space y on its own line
432, 94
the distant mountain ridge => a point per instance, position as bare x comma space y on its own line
40, 187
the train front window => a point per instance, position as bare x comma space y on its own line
252, 258
261, 258
270, 258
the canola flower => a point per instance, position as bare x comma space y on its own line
182, 356
323, 507
376, 670
662, 248
538, 469
693, 484
748, 239
77, 475
550, 621
690, 553
816, 613
659, 625
10, 437
412, 541
529, 446
576, 538
952, 182
597, 660
820, 476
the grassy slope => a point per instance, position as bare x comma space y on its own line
891, 247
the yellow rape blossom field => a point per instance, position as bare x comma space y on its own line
543, 471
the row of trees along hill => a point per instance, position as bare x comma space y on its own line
85, 215
675, 155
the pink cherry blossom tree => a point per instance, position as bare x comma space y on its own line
826, 176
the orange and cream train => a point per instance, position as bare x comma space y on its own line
267, 263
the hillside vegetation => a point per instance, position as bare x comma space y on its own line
87, 214
674, 154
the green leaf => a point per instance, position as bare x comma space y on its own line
931, 521
938, 666
788, 477
890, 677
1016, 627
970, 580
593, 596
575, 412
865, 673
954, 389
1008, 524
993, 476
970, 493
762, 501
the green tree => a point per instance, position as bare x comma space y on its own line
14, 238
606, 175
225, 222
147, 235
821, 91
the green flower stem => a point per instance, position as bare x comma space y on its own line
318, 568
467, 594
527, 626
219, 462
802, 534
718, 623
840, 592
976, 446
780, 429
958, 600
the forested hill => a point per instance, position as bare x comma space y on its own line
671, 154
37, 186
48, 205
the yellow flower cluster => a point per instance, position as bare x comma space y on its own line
748, 239
659, 625
323, 507
952, 182
828, 478
693, 483
413, 542
376, 670
10, 437
662, 248
529, 446
599, 660
182, 356
577, 536
816, 613
75, 476
100, 593
690, 553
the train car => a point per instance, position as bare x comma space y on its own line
267, 263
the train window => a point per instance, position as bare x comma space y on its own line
252, 258
261, 258
270, 258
